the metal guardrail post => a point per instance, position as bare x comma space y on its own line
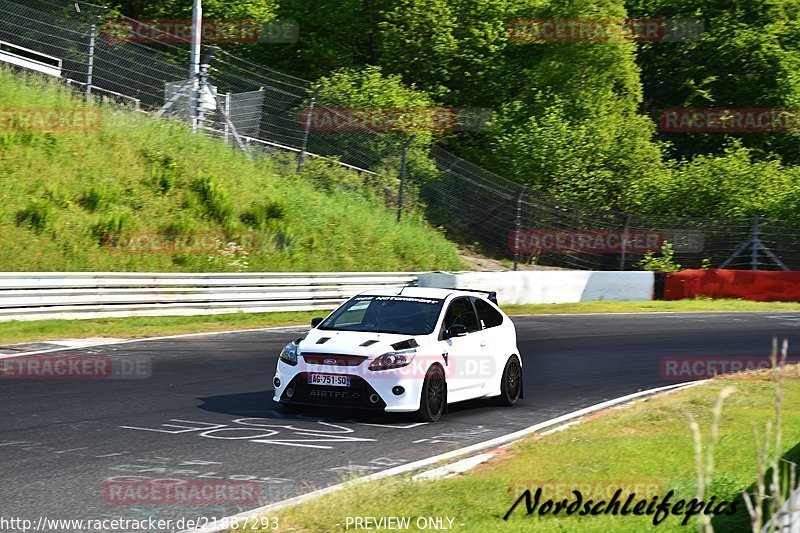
307, 128
403, 163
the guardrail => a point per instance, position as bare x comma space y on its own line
550, 286
36, 296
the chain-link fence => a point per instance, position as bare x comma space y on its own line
263, 110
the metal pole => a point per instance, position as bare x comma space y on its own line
307, 128
404, 158
755, 240
194, 61
227, 112
203, 87
624, 246
518, 225
90, 64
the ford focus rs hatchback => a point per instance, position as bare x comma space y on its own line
404, 350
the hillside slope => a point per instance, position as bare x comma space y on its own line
114, 198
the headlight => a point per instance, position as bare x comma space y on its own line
391, 360
289, 354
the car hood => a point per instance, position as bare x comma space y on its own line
356, 342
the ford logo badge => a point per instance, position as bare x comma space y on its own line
329, 361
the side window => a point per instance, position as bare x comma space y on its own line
488, 314
461, 312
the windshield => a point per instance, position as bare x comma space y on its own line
386, 314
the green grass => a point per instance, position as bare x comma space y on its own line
62, 191
647, 447
39, 330
136, 327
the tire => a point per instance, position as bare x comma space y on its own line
433, 398
511, 382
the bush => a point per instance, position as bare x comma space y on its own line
663, 263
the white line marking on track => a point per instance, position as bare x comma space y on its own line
410, 467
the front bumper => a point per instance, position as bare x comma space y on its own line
368, 389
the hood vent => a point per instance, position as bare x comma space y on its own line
368, 343
323, 340
405, 345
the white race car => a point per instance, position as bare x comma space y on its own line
404, 350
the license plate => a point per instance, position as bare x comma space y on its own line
329, 380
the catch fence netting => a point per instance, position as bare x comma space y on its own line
114, 58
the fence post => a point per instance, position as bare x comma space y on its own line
755, 239
403, 160
518, 227
623, 248
227, 111
307, 128
90, 63
194, 64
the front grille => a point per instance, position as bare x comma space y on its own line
356, 395
333, 359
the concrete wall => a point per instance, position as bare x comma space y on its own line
549, 286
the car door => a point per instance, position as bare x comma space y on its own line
496, 337
466, 354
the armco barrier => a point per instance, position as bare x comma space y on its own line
549, 286
34, 296
759, 285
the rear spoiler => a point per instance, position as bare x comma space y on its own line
490, 295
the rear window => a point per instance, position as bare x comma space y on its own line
487, 314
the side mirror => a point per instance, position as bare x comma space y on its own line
316, 321
456, 330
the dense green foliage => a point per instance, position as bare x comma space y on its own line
65, 193
578, 119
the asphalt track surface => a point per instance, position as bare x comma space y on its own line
206, 411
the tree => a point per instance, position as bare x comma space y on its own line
748, 57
